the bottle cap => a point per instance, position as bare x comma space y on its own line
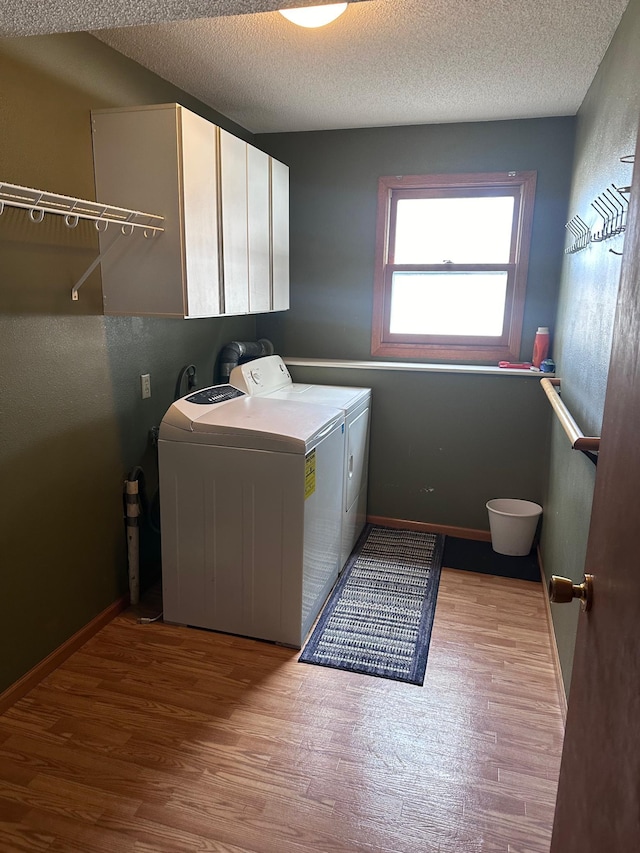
542, 330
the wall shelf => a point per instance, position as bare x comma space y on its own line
40, 202
412, 366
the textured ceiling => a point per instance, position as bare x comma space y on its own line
33, 17
384, 62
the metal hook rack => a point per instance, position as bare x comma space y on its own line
40, 202
611, 206
581, 232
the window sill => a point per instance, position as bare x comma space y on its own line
414, 366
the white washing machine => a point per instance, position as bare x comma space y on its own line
251, 512
269, 377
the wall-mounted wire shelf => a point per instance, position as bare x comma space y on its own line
41, 202
588, 444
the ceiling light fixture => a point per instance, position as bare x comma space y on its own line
314, 16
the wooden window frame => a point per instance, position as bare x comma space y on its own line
522, 185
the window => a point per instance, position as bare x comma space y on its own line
451, 265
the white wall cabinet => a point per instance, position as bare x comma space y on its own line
279, 181
255, 228
226, 209
258, 230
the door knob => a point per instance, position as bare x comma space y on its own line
562, 590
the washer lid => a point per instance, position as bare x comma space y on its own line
258, 423
268, 376
338, 396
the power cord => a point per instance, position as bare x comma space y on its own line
188, 372
146, 620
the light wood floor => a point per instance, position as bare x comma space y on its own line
160, 738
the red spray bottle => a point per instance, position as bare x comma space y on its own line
540, 346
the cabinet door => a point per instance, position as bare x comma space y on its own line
259, 230
136, 161
161, 159
279, 236
200, 212
235, 249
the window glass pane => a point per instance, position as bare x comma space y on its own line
448, 303
462, 230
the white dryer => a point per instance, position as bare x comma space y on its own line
269, 377
250, 497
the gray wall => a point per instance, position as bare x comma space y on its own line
72, 421
442, 444
606, 130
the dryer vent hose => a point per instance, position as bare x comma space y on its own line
232, 354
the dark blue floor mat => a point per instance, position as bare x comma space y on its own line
473, 556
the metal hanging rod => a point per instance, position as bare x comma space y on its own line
588, 444
40, 202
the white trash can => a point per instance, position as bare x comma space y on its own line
513, 525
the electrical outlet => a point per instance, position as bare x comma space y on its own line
145, 385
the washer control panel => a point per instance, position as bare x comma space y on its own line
215, 394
